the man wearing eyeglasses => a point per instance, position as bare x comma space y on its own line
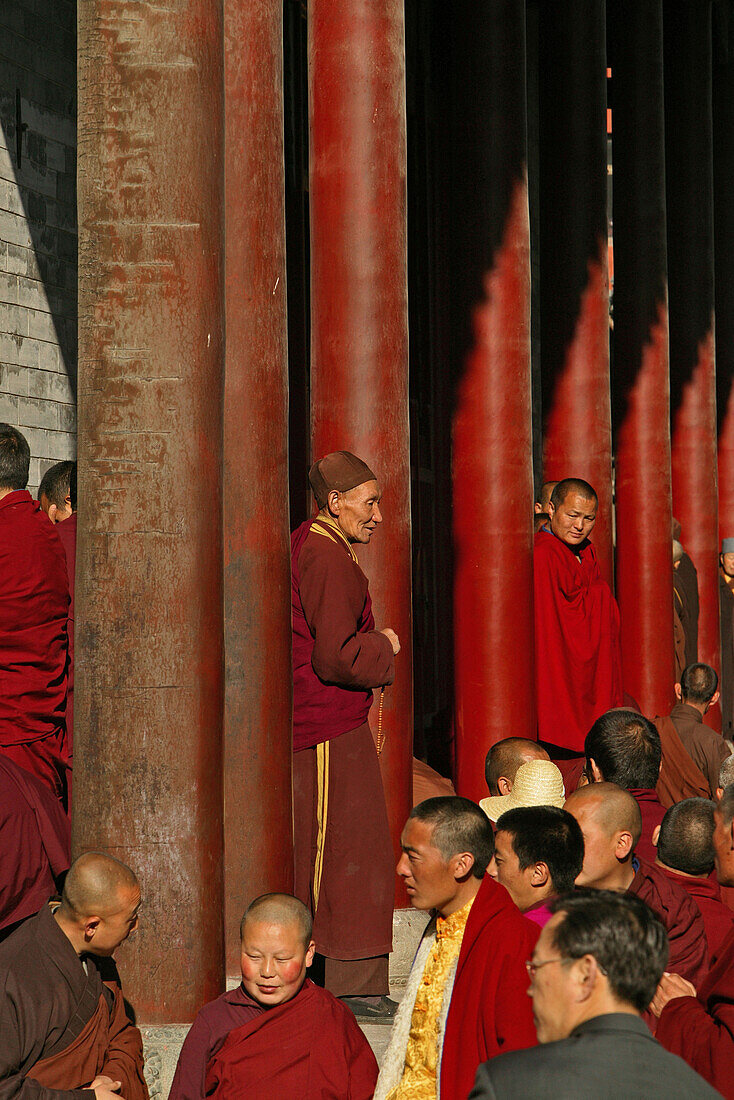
594, 970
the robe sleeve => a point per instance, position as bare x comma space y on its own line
333, 600
361, 1062
124, 1061
513, 1010
14, 1085
190, 1077
705, 1041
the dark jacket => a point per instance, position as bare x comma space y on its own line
611, 1057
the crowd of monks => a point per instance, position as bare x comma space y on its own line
580, 919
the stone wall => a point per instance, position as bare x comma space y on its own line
38, 245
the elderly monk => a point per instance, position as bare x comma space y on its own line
34, 607
34, 845
697, 1023
538, 855
696, 692
577, 640
503, 760
726, 618
63, 1025
343, 850
611, 824
609, 951
624, 748
465, 998
686, 855
277, 1034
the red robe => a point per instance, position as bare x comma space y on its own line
652, 812
34, 843
490, 1009
701, 1029
681, 917
310, 1048
718, 919
578, 658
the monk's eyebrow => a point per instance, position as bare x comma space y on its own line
407, 848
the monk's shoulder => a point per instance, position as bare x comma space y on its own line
320, 554
331, 1013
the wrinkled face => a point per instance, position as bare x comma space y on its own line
727, 564
429, 879
723, 851
359, 511
600, 859
505, 868
115, 928
551, 987
573, 520
274, 961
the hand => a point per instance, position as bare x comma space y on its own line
392, 639
671, 986
106, 1089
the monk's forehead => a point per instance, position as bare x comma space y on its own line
272, 929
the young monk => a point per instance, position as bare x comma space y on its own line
277, 1034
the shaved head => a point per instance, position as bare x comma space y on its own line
726, 773
571, 485
686, 842
96, 885
612, 808
726, 805
281, 909
504, 758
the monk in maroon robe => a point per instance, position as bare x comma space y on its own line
611, 824
278, 1035
64, 1029
578, 658
34, 605
343, 850
34, 844
697, 1021
623, 747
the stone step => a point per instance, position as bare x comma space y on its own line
162, 1045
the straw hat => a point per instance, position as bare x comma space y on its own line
537, 783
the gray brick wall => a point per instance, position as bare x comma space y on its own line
38, 243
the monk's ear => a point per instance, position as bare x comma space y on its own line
504, 785
91, 924
585, 972
714, 699
678, 692
655, 835
463, 864
719, 792
551, 509
625, 844
333, 502
596, 776
540, 875
310, 953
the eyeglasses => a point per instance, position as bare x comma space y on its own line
531, 967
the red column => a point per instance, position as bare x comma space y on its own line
723, 118
258, 852
359, 334
492, 445
641, 388
148, 693
574, 291
689, 189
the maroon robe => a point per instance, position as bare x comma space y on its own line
206, 1035
310, 1048
578, 658
701, 1029
681, 917
67, 533
34, 606
652, 812
34, 843
706, 747
718, 919
47, 1004
679, 777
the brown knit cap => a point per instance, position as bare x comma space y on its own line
340, 470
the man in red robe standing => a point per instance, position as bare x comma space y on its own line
342, 845
697, 1021
578, 658
34, 608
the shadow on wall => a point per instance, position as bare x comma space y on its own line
38, 226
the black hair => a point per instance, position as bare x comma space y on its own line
459, 825
622, 933
698, 683
15, 458
572, 485
686, 840
549, 835
626, 748
56, 483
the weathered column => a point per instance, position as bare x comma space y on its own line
723, 117
258, 841
148, 776
574, 291
492, 432
359, 319
641, 391
689, 191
